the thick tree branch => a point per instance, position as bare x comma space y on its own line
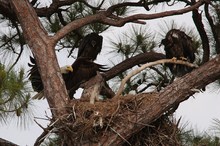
4, 142
129, 63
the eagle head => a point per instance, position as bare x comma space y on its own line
66, 69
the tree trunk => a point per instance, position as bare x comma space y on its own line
43, 50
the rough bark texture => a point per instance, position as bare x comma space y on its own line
42, 47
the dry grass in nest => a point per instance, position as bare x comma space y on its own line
162, 132
88, 121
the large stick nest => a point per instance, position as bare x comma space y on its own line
88, 122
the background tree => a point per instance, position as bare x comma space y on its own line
121, 120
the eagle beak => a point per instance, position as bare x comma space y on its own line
69, 68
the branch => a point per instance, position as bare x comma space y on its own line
130, 62
104, 17
43, 49
213, 28
120, 90
132, 18
4, 142
197, 18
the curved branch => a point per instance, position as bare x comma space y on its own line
21, 44
104, 17
197, 18
132, 18
214, 31
120, 90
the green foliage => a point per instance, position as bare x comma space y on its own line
14, 94
192, 137
135, 41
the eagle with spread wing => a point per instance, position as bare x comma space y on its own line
180, 46
80, 71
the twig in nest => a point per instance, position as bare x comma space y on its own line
43, 135
123, 82
120, 136
113, 114
74, 113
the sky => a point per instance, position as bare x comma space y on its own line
199, 110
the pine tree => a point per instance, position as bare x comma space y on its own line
142, 113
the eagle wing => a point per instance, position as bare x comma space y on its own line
90, 46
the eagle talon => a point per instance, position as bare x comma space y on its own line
174, 59
183, 58
178, 45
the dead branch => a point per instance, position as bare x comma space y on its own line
120, 90
132, 18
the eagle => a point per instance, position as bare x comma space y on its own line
90, 46
180, 46
83, 70
73, 75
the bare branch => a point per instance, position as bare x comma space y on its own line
197, 18
120, 90
104, 17
213, 28
136, 17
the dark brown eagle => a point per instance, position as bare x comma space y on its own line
80, 71
90, 46
179, 45
83, 70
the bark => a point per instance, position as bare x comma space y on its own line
4, 142
42, 47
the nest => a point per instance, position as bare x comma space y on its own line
86, 123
